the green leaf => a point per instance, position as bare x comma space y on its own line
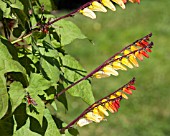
17, 94
6, 125
3, 97
3, 6
16, 4
51, 70
68, 32
48, 4
36, 112
37, 84
73, 71
51, 127
7, 64
25, 131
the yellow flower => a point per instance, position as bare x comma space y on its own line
117, 65
109, 70
108, 4
133, 48
107, 106
83, 121
132, 57
120, 3
101, 74
89, 13
97, 113
103, 110
133, 60
126, 62
96, 6
93, 117
121, 94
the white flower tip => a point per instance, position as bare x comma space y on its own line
89, 13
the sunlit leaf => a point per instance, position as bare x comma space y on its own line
68, 32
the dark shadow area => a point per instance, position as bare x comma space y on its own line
69, 4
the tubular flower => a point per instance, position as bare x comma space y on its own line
83, 122
120, 3
97, 111
89, 13
126, 62
101, 74
118, 66
126, 57
106, 72
108, 4
110, 70
96, 6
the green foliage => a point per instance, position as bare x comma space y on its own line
34, 68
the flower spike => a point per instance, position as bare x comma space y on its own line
126, 57
98, 5
98, 110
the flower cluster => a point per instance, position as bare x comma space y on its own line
99, 5
126, 58
97, 111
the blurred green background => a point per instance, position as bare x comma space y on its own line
147, 112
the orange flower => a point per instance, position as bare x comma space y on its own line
144, 54
128, 91
139, 56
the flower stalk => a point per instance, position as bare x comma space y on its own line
109, 98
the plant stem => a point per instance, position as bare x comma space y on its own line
20, 39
